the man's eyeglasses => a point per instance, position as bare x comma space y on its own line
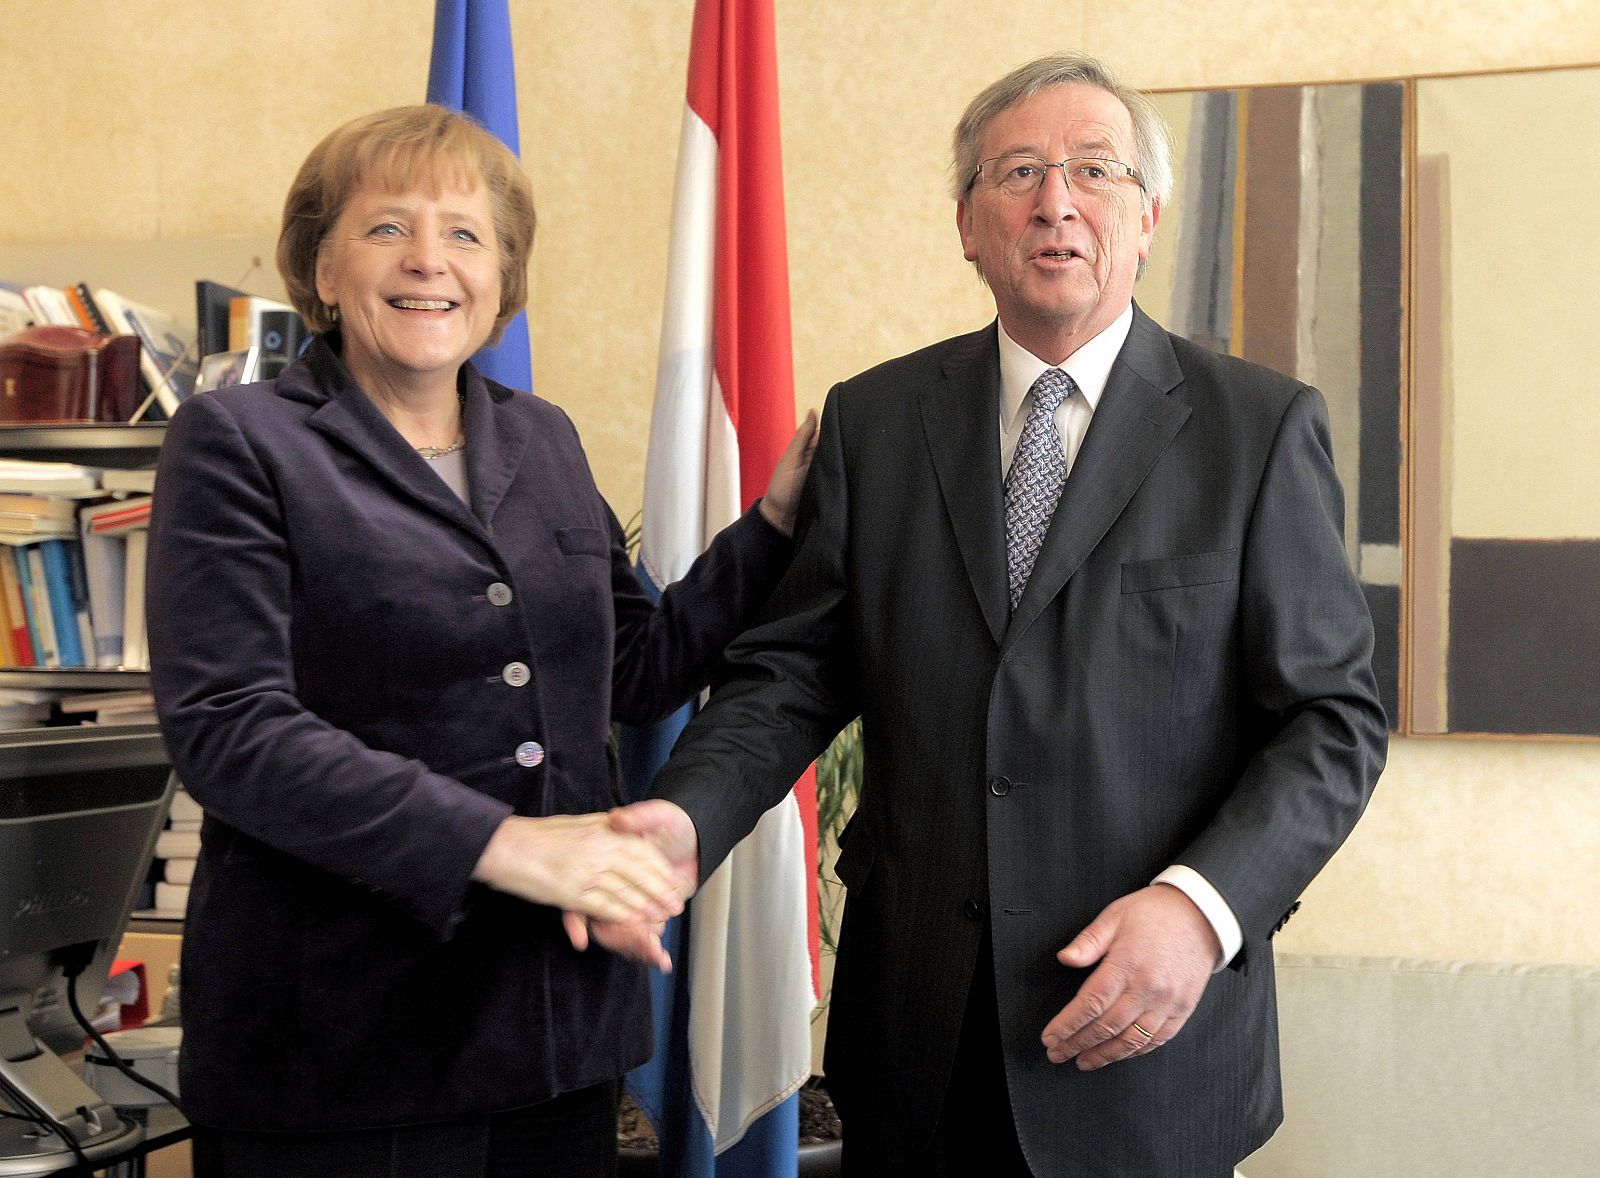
1020, 175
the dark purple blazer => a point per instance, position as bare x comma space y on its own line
1185, 680
359, 677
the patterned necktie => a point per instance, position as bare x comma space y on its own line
1034, 482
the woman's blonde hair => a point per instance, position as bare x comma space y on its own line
399, 149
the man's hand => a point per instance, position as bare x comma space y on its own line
1156, 952
672, 832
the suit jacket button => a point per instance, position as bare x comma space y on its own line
973, 909
1000, 785
499, 593
530, 754
516, 674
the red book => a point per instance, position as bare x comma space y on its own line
135, 514
16, 612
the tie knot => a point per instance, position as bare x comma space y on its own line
1052, 388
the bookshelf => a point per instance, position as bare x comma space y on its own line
160, 273
120, 446
74, 679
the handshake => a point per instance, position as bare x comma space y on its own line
617, 877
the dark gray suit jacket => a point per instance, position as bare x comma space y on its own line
330, 632
1185, 680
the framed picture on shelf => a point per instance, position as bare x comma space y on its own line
222, 370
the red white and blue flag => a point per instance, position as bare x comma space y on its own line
733, 1041
472, 69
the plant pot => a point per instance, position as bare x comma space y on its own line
817, 1159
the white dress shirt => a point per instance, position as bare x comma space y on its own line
1090, 368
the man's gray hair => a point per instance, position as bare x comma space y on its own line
1152, 138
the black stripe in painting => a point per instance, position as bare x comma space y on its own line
1525, 636
1382, 206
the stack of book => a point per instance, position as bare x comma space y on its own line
177, 848
25, 707
108, 707
72, 559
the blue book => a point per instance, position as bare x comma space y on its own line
63, 611
79, 580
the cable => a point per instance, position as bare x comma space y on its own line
112, 1058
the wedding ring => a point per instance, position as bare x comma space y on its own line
1142, 1031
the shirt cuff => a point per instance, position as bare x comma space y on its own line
1212, 906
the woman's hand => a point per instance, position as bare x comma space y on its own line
581, 863
636, 942
782, 499
666, 825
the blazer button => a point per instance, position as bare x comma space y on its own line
1000, 785
499, 593
516, 674
530, 754
973, 909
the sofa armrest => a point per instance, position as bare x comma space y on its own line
1396, 1066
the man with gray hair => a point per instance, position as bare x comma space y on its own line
1085, 582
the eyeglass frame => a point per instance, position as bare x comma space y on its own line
1047, 165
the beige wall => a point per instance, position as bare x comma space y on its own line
153, 120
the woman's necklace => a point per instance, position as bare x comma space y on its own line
432, 452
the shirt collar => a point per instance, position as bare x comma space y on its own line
1089, 366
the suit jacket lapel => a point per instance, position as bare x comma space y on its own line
496, 444
349, 416
1134, 422
960, 419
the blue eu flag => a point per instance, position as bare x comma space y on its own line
473, 70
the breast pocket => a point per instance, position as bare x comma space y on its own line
584, 542
1178, 624
1176, 572
571, 586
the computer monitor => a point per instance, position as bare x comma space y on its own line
80, 809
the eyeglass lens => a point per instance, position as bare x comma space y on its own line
1021, 174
